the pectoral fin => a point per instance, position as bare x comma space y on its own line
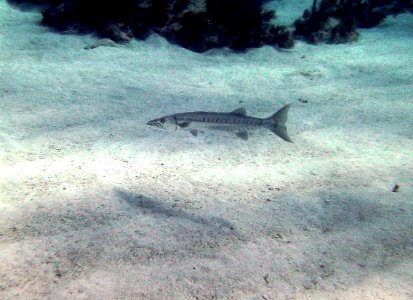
243, 135
184, 124
194, 132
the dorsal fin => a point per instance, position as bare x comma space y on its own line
240, 111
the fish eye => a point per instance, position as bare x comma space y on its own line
162, 120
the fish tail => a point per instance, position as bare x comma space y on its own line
276, 123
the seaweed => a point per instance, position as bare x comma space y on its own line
237, 24
190, 31
329, 22
336, 21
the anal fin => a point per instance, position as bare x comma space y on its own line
194, 132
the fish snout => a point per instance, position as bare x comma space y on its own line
155, 123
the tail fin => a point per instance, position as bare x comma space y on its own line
277, 123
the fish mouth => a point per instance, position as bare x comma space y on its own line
154, 123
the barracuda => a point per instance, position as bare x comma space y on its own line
236, 121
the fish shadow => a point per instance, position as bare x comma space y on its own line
147, 205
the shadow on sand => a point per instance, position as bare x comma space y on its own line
341, 238
148, 205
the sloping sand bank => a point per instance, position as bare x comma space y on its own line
96, 205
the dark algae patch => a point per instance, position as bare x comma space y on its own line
195, 25
336, 21
200, 25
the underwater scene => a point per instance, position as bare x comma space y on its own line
206, 149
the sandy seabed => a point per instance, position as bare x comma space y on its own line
94, 204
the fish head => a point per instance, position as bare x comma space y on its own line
166, 123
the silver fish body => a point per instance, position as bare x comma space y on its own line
236, 121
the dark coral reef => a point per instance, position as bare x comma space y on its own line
237, 24
197, 25
200, 25
336, 21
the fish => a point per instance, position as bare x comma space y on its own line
235, 121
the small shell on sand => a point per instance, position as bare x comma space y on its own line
396, 188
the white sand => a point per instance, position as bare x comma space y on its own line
94, 204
